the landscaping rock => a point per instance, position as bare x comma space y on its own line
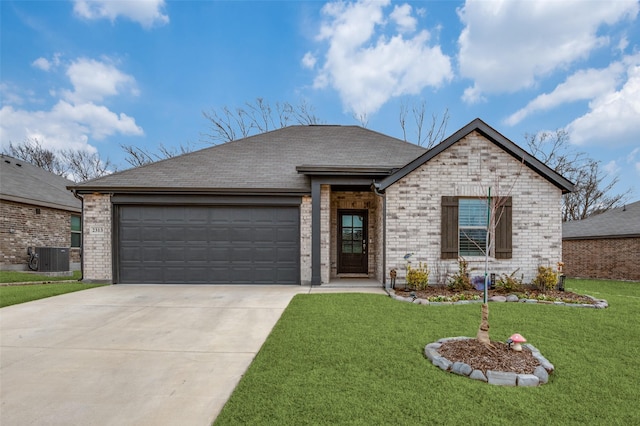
497, 299
430, 353
461, 368
530, 301
512, 298
541, 374
529, 380
502, 378
442, 363
479, 375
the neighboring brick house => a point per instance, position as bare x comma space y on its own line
36, 210
606, 245
312, 204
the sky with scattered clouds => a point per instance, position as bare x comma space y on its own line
98, 74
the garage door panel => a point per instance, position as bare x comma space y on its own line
215, 244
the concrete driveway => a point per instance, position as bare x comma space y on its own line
132, 354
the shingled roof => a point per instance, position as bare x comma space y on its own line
621, 222
267, 162
22, 182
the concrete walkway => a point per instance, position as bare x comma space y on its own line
135, 354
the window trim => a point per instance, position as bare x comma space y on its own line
75, 231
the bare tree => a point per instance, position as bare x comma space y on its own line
228, 124
137, 156
427, 134
75, 164
32, 151
84, 166
593, 191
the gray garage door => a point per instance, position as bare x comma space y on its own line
208, 245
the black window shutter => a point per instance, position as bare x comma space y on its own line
503, 247
449, 228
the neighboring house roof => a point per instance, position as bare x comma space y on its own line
22, 182
271, 162
494, 136
614, 223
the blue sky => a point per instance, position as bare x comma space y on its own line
97, 74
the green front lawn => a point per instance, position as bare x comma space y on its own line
358, 359
19, 277
14, 294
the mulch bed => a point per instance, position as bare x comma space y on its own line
433, 291
496, 358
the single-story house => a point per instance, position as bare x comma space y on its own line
36, 210
605, 245
311, 204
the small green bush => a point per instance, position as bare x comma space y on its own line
418, 278
546, 278
460, 280
509, 283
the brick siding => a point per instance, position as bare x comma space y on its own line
96, 234
607, 258
305, 241
468, 168
21, 227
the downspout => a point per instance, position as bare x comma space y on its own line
375, 186
75, 194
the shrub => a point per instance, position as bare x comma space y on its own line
460, 280
509, 283
546, 278
418, 278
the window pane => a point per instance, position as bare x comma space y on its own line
357, 221
357, 248
346, 234
347, 247
472, 242
76, 224
357, 235
472, 212
76, 239
347, 220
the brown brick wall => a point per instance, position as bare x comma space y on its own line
22, 227
611, 258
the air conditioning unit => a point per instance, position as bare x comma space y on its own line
53, 259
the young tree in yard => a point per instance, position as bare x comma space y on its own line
593, 191
497, 204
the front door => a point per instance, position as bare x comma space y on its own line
352, 241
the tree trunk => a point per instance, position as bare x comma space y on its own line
483, 331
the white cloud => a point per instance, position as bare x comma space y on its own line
42, 63
367, 67
65, 125
146, 12
506, 46
583, 85
308, 60
631, 157
401, 15
76, 120
94, 80
614, 118
611, 167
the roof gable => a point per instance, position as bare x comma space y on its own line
493, 136
23, 182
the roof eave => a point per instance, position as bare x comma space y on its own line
188, 191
